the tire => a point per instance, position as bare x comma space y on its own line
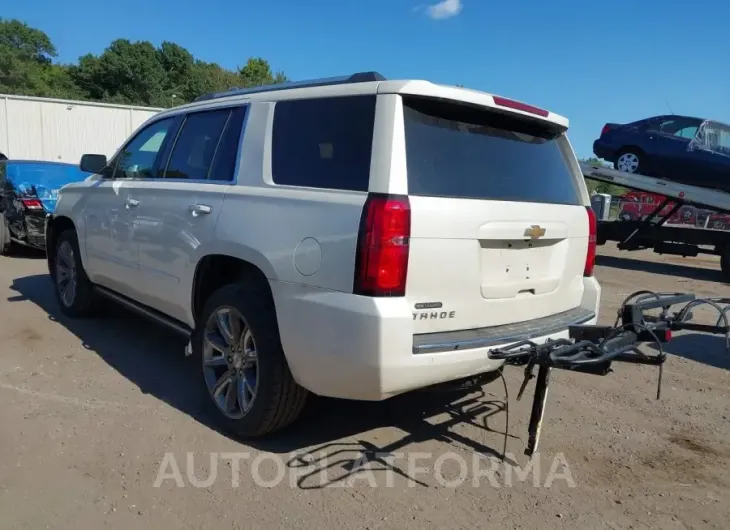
5, 241
79, 302
631, 160
725, 263
278, 400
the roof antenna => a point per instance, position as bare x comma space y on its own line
669, 106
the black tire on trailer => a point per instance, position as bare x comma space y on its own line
243, 373
725, 260
5, 241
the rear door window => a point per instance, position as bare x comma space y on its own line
462, 151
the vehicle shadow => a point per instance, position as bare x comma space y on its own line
25, 252
666, 269
152, 358
699, 347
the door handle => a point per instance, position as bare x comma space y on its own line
132, 203
200, 209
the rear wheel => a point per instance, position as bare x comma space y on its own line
244, 375
630, 161
5, 241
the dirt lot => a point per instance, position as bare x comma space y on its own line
90, 410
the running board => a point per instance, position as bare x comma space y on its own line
145, 311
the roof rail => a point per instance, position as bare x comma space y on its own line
360, 77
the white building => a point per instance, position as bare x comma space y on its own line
62, 130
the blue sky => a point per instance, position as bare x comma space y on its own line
593, 62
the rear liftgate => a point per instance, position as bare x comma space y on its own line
591, 348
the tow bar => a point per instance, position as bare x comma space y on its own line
591, 349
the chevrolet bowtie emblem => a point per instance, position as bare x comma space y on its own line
534, 232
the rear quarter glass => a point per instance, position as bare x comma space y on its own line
459, 151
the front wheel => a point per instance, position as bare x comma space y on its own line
244, 375
74, 291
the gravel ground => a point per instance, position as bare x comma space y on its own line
102, 428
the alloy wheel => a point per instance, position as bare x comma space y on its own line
230, 362
66, 277
628, 162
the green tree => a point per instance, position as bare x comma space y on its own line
125, 72
208, 77
26, 66
257, 72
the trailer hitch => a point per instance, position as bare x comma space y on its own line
591, 349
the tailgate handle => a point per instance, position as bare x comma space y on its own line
527, 231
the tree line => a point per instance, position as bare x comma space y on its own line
126, 72
131, 73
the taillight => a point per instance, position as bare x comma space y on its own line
605, 129
32, 204
381, 263
592, 232
517, 105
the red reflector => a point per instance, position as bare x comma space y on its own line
524, 107
32, 204
592, 233
381, 263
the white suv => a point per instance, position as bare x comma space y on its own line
352, 237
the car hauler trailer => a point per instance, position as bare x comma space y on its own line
652, 231
59, 130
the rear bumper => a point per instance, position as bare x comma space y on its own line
353, 347
498, 335
35, 227
30, 230
602, 150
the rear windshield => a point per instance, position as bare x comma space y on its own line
466, 152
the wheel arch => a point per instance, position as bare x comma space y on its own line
56, 225
631, 148
215, 270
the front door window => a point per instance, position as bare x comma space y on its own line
137, 159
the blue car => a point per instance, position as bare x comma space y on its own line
683, 149
28, 194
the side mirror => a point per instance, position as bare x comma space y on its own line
93, 163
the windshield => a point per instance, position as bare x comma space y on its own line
712, 136
459, 151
